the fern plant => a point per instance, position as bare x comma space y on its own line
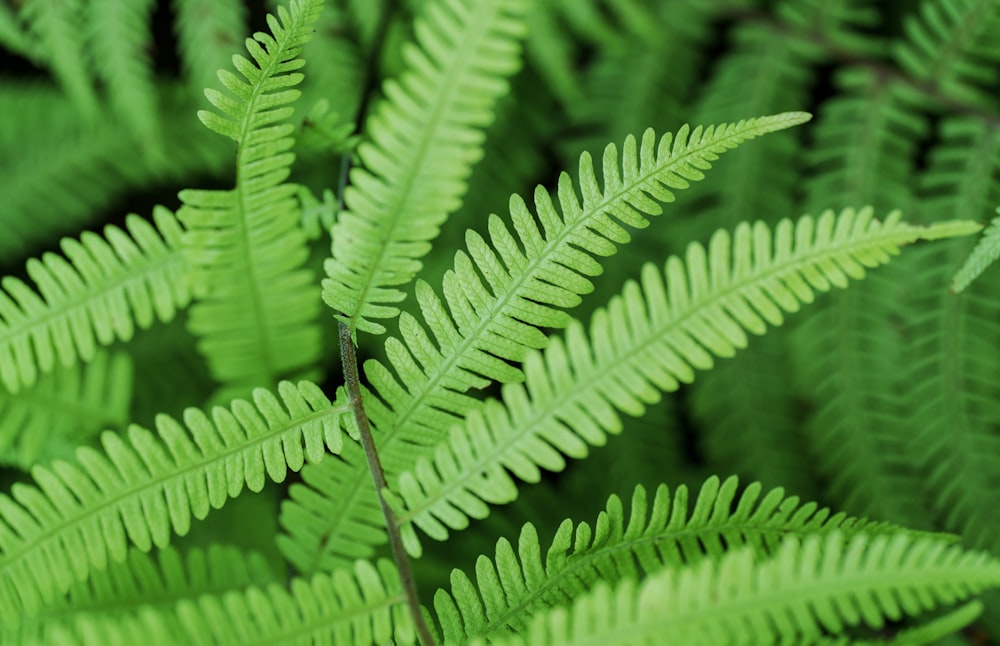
186, 462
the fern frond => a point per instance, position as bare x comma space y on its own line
849, 357
953, 343
359, 605
425, 138
963, 174
951, 45
651, 338
256, 311
97, 293
953, 399
827, 27
810, 590
209, 32
515, 586
499, 294
142, 488
56, 24
866, 143
66, 174
143, 580
848, 354
985, 254
749, 421
651, 94
64, 410
121, 39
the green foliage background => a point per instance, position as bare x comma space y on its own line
881, 401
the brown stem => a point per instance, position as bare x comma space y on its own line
399, 555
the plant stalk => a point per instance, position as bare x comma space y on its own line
399, 556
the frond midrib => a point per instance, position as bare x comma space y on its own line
566, 397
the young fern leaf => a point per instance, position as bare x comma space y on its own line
649, 339
357, 605
498, 295
98, 293
515, 586
425, 138
811, 589
142, 488
985, 254
160, 581
257, 306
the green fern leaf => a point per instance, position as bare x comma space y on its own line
498, 295
121, 42
649, 339
142, 488
56, 24
98, 293
358, 605
257, 309
59, 176
514, 587
951, 45
984, 255
144, 580
808, 591
65, 410
425, 139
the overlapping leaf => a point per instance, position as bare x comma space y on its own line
500, 294
650, 339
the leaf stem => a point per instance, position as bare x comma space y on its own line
350, 363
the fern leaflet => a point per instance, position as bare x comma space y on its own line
357, 605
